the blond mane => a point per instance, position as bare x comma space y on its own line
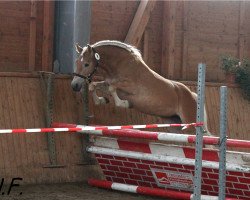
122, 45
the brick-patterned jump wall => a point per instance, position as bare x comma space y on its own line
179, 177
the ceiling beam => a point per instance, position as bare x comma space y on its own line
139, 22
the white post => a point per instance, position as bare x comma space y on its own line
199, 131
223, 140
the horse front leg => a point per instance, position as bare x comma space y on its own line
118, 101
101, 86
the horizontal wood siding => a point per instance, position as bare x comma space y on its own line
26, 155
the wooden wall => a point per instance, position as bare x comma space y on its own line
180, 34
26, 155
26, 35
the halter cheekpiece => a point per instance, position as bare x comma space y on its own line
89, 77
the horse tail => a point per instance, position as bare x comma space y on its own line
206, 131
205, 123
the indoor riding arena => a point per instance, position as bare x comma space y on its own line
128, 100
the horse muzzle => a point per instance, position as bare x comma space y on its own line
76, 86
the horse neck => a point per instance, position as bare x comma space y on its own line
117, 62
110, 57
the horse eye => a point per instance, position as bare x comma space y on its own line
86, 64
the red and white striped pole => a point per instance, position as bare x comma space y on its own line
161, 136
148, 191
122, 131
93, 128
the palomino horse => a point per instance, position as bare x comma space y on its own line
131, 82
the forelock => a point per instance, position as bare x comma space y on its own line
83, 50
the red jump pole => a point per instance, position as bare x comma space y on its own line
147, 190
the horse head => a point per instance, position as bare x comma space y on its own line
86, 65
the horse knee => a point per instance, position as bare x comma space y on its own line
101, 101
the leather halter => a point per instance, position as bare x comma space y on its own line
90, 76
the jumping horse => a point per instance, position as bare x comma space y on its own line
132, 83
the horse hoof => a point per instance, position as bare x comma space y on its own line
101, 101
125, 104
106, 100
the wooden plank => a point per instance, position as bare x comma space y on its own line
184, 60
232, 126
139, 22
48, 32
61, 140
145, 45
164, 51
242, 12
168, 36
241, 47
14, 36
4, 164
73, 142
18, 120
238, 115
25, 97
214, 17
216, 99
31, 75
241, 30
185, 40
37, 114
10, 115
32, 39
207, 48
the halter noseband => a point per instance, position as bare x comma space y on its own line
89, 77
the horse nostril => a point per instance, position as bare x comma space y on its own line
76, 84
75, 87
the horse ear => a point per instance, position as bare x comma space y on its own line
89, 48
78, 48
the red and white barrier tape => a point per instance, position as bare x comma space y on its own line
92, 128
148, 191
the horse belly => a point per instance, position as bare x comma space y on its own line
159, 107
